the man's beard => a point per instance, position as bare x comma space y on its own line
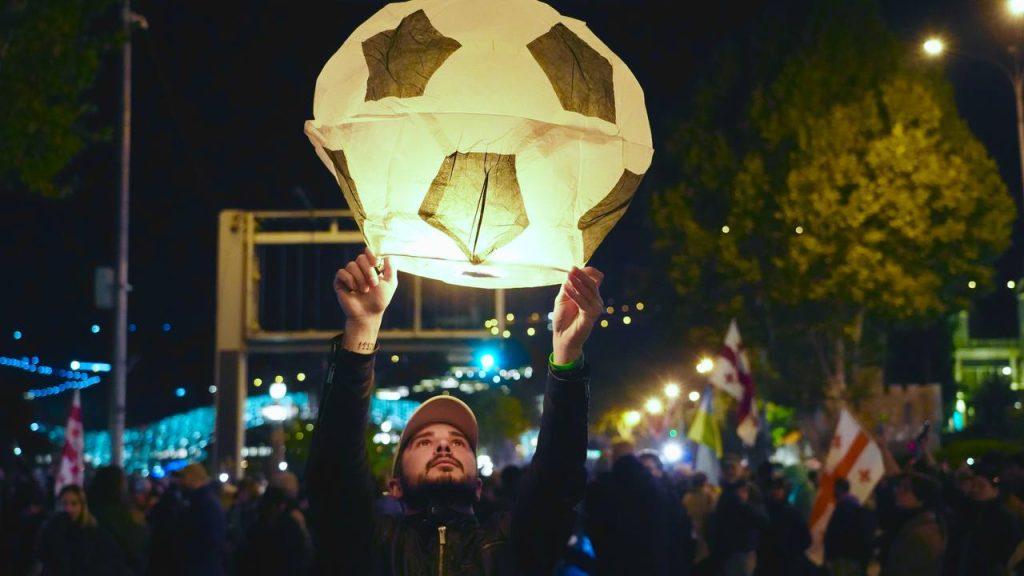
424, 493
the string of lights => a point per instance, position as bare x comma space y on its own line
74, 379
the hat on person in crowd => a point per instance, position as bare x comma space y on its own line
442, 409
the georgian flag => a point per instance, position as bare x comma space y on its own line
732, 374
852, 455
72, 464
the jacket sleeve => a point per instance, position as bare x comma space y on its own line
338, 478
544, 517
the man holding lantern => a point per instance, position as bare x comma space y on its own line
435, 471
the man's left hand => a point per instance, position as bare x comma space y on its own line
577, 306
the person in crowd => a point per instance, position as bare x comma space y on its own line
108, 496
700, 502
991, 533
140, 495
435, 469
242, 515
738, 523
71, 544
167, 524
278, 543
918, 545
203, 523
637, 525
848, 536
782, 546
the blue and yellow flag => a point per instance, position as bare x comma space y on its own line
704, 428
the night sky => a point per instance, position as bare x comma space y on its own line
221, 91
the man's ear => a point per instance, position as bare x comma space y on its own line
395, 488
479, 488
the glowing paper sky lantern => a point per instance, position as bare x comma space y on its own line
489, 143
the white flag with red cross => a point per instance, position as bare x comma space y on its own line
852, 455
731, 373
72, 460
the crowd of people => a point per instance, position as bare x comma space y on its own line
637, 517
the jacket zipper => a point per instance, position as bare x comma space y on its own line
441, 541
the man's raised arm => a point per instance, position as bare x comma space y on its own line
555, 481
338, 477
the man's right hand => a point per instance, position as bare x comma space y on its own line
364, 294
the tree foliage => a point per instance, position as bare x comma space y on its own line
50, 52
824, 192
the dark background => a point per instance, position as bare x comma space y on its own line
221, 91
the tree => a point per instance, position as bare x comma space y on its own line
50, 53
827, 191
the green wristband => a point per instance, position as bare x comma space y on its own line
564, 367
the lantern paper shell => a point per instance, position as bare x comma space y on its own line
488, 143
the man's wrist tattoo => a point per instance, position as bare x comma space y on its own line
365, 346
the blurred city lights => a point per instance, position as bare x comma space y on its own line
672, 451
934, 46
223, 477
705, 365
694, 396
278, 390
672, 390
627, 320
654, 406
631, 418
180, 392
1016, 7
1007, 370
283, 466
301, 376
1011, 284
530, 331
17, 334
95, 329
257, 382
487, 361
725, 229
972, 284
166, 327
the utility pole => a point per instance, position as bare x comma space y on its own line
120, 368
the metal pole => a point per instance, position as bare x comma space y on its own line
120, 368
1018, 97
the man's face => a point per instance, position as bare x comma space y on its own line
438, 454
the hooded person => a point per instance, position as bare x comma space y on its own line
434, 476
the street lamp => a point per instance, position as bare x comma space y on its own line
631, 418
934, 46
654, 406
672, 391
705, 365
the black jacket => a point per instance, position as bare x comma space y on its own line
351, 538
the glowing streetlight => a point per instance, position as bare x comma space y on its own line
278, 390
672, 451
631, 418
1015, 7
934, 46
694, 396
654, 406
705, 365
672, 391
